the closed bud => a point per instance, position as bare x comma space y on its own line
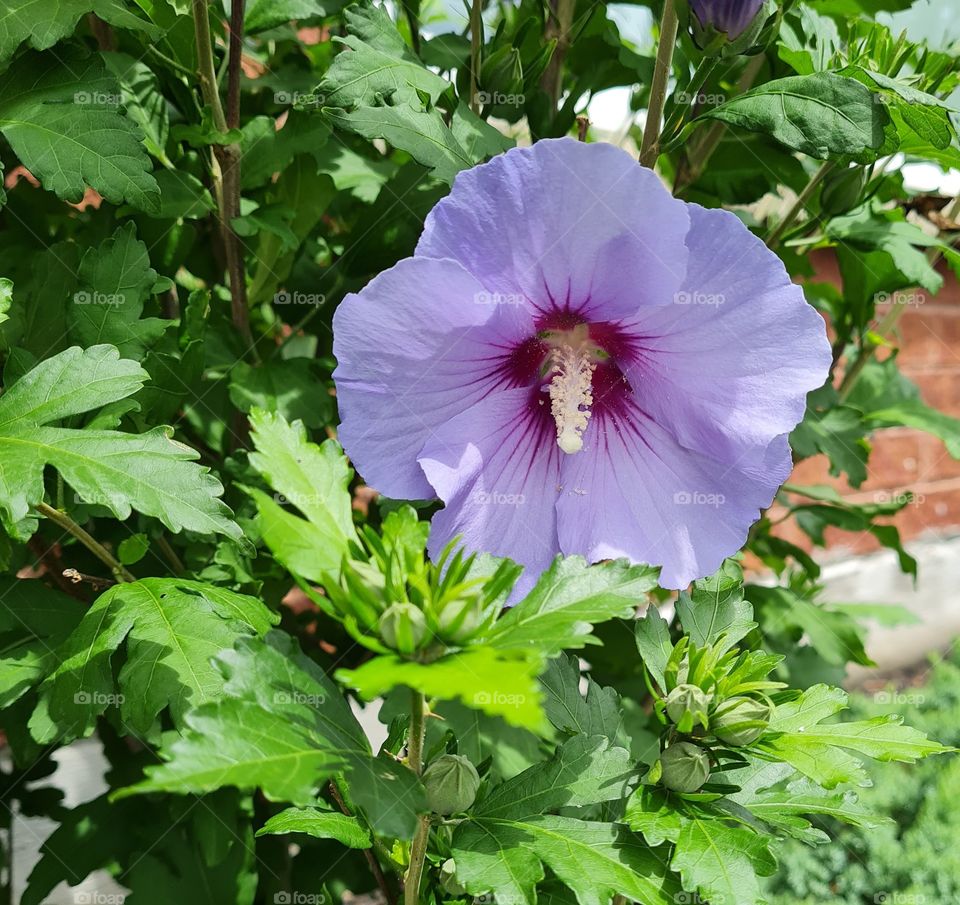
688, 705
502, 71
403, 627
727, 27
841, 190
685, 767
451, 783
740, 721
460, 619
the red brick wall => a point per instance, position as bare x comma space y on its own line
928, 335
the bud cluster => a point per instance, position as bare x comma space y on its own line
715, 701
391, 597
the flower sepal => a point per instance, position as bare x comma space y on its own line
718, 31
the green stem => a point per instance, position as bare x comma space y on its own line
658, 89
699, 79
415, 735
476, 48
170, 61
700, 152
799, 206
418, 854
171, 555
207, 66
88, 540
418, 848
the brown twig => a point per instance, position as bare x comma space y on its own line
226, 158
558, 27
234, 58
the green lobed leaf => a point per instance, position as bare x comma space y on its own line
722, 862
715, 606
422, 134
371, 74
822, 751
281, 725
312, 478
584, 770
261, 15
654, 644
43, 23
652, 813
173, 629
319, 824
499, 682
567, 600
147, 472
62, 117
595, 713
822, 114
595, 860
114, 280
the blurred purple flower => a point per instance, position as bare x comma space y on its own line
730, 16
575, 361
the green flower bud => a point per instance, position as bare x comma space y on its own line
841, 190
740, 721
502, 71
460, 620
724, 28
403, 627
688, 705
685, 767
451, 782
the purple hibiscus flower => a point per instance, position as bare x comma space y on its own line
730, 16
575, 361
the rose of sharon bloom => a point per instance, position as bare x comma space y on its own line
574, 361
730, 16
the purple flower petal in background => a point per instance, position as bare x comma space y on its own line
730, 16
576, 362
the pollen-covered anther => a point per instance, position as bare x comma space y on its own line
571, 395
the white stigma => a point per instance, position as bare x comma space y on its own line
571, 395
